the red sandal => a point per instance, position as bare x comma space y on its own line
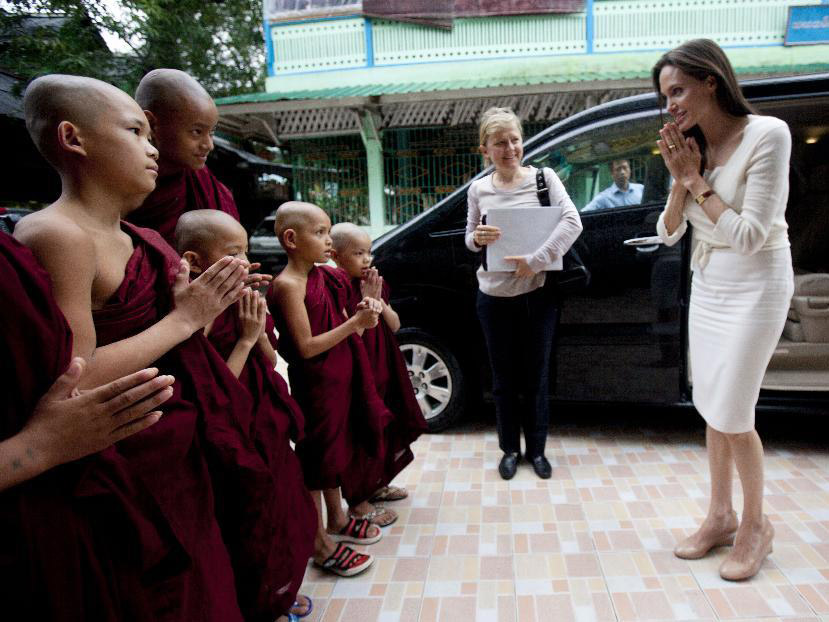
346, 562
356, 532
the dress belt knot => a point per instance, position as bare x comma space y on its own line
702, 253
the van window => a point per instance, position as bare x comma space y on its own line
265, 227
612, 166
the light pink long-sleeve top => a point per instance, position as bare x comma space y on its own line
483, 195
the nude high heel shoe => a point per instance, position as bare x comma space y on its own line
733, 570
693, 548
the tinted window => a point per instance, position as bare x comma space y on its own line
583, 162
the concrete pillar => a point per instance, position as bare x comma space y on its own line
370, 133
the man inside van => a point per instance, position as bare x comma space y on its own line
620, 193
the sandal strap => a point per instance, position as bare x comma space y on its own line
309, 607
387, 493
344, 558
378, 510
356, 527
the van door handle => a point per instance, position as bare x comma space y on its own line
447, 233
645, 245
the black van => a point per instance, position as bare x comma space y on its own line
623, 337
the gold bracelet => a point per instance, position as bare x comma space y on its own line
700, 198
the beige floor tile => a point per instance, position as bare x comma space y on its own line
592, 544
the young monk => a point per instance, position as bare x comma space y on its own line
51, 548
330, 377
127, 298
352, 253
244, 336
182, 119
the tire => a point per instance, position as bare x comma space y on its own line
436, 377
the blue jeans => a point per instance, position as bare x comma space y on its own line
519, 332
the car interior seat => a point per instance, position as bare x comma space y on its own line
808, 318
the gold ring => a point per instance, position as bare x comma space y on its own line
671, 147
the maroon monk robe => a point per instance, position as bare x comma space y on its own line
277, 420
83, 541
179, 193
200, 447
394, 387
335, 388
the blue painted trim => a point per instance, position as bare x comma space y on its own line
725, 47
589, 25
369, 30
270, 57
478, 60
314, 19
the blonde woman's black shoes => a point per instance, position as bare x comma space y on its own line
542, 467
508, 465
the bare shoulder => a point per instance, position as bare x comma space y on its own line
288, 287
54, 237
286, 282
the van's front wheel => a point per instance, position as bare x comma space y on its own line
436, 377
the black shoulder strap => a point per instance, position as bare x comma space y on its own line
542, 190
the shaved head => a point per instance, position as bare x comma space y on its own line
182, 118
55, 98
295, 215
199, 230
167, 92
344, 234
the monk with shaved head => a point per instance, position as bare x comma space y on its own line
182, 118
244, 336
330, 378
129, 303
370, 481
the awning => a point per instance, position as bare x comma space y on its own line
546, 87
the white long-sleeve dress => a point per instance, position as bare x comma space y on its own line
742, 276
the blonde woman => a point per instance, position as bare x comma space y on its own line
518, 314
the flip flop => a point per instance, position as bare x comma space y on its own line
356, 532
346, 562
293, 617
376, 514
390, 493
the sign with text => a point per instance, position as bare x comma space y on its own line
808, 25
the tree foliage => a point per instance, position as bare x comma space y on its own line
219, 42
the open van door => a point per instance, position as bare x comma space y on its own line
620, 337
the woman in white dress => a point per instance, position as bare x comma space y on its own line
730, 169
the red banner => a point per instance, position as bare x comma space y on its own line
432, 12
441, 12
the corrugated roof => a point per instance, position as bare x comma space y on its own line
550, 70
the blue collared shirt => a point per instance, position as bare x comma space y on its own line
616, 197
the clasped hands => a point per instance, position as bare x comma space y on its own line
368, 312
371, 284
487, 234
681, 155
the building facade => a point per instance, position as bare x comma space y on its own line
379, 115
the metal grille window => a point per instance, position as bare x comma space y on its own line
423, 165
331, 172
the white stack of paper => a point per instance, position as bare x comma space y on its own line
523, 231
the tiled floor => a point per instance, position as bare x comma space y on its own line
593, 544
